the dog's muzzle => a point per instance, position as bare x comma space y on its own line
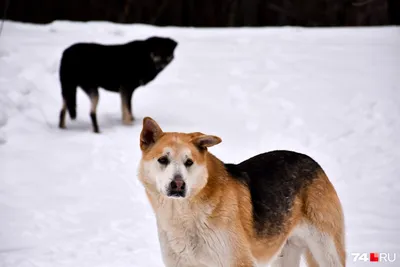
177, 187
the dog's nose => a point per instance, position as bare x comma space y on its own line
177, 183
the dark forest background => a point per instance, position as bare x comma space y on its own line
209, 13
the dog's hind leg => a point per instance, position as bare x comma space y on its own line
310, 259
323, 249
324, 230
289, 257
68, 91
126, 105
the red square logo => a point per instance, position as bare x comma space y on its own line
374, 257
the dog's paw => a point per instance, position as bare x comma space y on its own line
127, 122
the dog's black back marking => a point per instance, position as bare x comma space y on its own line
274, 179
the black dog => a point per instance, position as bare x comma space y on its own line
117, 68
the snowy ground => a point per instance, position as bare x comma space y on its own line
71, 198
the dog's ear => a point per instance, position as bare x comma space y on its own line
151, 132
203, 141
173, 43
195, 134
153, 42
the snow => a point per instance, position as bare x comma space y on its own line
71, 198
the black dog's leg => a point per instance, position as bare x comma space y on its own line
126, 105
94, 100
68, 92
129, 104
94, 122
63, 112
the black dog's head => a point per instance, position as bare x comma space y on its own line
161, 50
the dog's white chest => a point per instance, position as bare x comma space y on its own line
194, 243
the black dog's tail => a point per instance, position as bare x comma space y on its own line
69, 96
68, 84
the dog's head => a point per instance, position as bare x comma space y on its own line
161, 50
173, 164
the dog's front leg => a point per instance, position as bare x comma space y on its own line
246, 263
126, 104
169, 256
243, 258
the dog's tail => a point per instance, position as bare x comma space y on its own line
69, 96
68, 86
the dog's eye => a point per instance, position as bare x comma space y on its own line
163, 160
188, 162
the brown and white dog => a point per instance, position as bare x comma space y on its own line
271, 208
